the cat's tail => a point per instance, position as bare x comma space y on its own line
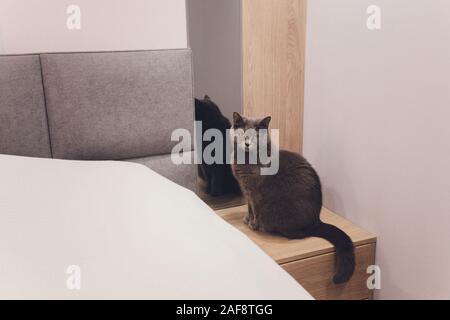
345, 255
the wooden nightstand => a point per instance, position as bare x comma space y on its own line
311, 261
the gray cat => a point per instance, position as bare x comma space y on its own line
288, 203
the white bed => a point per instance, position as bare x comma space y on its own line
133, 233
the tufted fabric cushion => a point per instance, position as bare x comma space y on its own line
114, 106
23, 123
184, 175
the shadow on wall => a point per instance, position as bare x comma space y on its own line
214, 28
331, 196
1, 42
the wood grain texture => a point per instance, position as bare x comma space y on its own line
273, 65
315, 275
283, 250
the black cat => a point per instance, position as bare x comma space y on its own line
218, 177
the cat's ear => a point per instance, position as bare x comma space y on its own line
237, 119
264, 123
207, 98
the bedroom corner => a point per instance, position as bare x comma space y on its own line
224, 158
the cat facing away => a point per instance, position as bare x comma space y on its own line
218, 177
289, 202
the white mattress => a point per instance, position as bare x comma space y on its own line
133, 233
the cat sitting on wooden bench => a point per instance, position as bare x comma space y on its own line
289, 202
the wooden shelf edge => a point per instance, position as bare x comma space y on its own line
318, 253
283, 250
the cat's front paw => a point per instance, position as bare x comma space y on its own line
254, 225
246, 219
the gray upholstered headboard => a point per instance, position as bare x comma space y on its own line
98, 106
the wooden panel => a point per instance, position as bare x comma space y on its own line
315, 275
283, 250
273, 65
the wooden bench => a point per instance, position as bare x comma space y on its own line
311, 261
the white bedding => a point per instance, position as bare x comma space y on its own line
133, 233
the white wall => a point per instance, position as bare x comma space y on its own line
377, 128
215, 39
40, 25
